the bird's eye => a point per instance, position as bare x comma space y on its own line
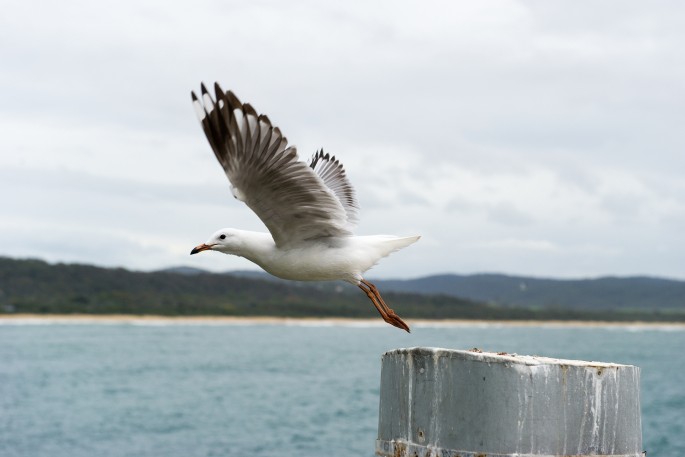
223, 237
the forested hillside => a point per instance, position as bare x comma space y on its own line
34, 286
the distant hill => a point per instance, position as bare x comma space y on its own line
34, 286
516, 291
184, 271
607, 293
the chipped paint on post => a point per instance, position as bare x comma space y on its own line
449, 403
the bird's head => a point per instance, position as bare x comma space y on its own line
224, 240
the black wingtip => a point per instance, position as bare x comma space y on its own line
250, 110
233, 100
218, 90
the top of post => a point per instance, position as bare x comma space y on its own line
499, 357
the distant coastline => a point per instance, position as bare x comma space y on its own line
37, 287
309, 321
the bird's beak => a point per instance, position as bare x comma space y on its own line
200, 248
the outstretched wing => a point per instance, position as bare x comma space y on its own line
286, 194
332, 173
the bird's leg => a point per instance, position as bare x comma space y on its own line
384, 310
372, 297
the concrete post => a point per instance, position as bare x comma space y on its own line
449, 403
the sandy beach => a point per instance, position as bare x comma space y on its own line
336, 321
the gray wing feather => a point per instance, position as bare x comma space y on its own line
287, 195
332, 173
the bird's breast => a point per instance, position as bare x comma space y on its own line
312, 264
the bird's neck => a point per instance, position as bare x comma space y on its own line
256, 246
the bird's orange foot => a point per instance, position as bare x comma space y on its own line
395, 320
384, 310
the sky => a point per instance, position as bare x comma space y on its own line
524, 137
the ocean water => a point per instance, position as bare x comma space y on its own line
158, 389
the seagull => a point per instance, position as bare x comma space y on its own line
310, 209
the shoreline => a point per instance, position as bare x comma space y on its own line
84, 319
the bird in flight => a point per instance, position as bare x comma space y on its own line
310, 209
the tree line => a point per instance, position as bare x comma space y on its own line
35, 286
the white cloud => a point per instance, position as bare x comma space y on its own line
519, 136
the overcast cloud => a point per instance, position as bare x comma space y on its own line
526, 137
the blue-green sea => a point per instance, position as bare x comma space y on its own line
160, 389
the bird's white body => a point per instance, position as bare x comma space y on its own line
326, 259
